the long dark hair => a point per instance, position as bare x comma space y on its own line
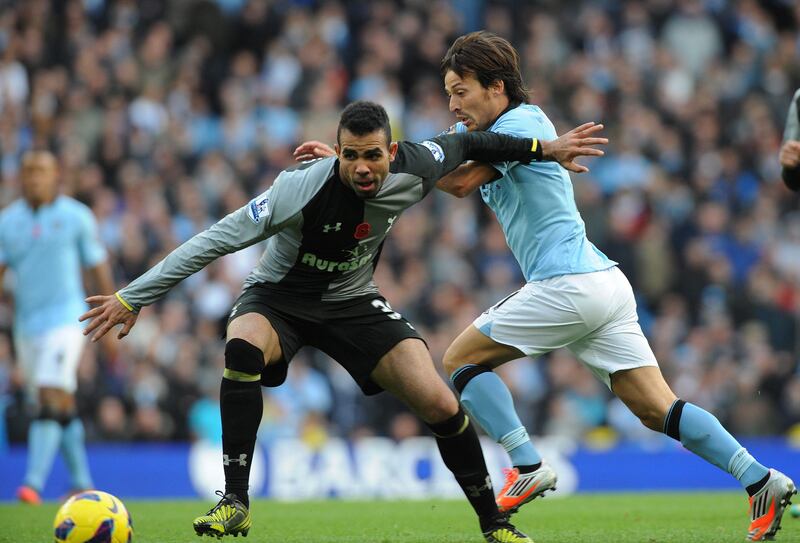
488, 58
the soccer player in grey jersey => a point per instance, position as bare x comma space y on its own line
790, 150
325, 222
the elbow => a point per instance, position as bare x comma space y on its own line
461, 192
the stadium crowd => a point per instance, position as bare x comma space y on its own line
165, 116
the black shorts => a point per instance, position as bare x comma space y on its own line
356, 333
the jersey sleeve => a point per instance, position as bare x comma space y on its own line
522, 123
90, 247
434, 158
260, 218
792, 129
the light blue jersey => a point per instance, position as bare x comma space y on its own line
535, 206
46, 249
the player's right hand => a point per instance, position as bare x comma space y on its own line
310, 150
790, 154
577, 142
107, 313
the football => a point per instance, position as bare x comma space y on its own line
93, 517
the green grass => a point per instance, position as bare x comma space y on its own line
618, 518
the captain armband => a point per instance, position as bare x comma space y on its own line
128, 306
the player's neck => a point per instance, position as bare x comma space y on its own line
503, 106
35, 204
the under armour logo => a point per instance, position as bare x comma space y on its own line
476, 490
332, 227
242, 460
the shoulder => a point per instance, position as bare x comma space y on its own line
12, 213
69, 206
310, 173
525, 121
14, 208
292, 189
302, 181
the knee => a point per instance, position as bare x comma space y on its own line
242, 357
440, 408
452, 359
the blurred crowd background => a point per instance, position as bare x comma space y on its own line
165, 116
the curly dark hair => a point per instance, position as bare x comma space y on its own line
363, 117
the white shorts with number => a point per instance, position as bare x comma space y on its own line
592, 314
51, 359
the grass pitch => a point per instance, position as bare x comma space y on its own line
717, 517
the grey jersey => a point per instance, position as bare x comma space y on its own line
323, 240
792, 130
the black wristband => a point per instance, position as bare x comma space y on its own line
536, 151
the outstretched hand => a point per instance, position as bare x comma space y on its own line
577, 142
108, 313
310, 150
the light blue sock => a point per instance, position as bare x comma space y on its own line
74, 449
702, 433
488, 401
44, 437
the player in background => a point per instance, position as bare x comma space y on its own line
325, 223
575, 297
790, 150
46, 239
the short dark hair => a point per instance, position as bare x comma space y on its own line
488, 58
362, 117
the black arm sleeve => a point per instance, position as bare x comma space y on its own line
489, 147
791, 178
438, 156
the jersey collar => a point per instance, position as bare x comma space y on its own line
511, 105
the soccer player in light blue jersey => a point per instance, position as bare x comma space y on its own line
45, 240
575, 297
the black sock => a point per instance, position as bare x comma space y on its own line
755, 487
529, 469
461, 451
241, 407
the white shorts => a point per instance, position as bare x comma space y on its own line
51, 359
592, 314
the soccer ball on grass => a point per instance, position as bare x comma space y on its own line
93, 517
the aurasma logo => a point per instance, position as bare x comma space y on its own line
322, 264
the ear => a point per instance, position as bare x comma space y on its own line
497, 87
336, 149
392, 151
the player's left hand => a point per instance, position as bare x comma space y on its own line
108, 313
310, 150
577, 142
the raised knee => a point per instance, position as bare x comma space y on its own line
452, 360
243, 360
